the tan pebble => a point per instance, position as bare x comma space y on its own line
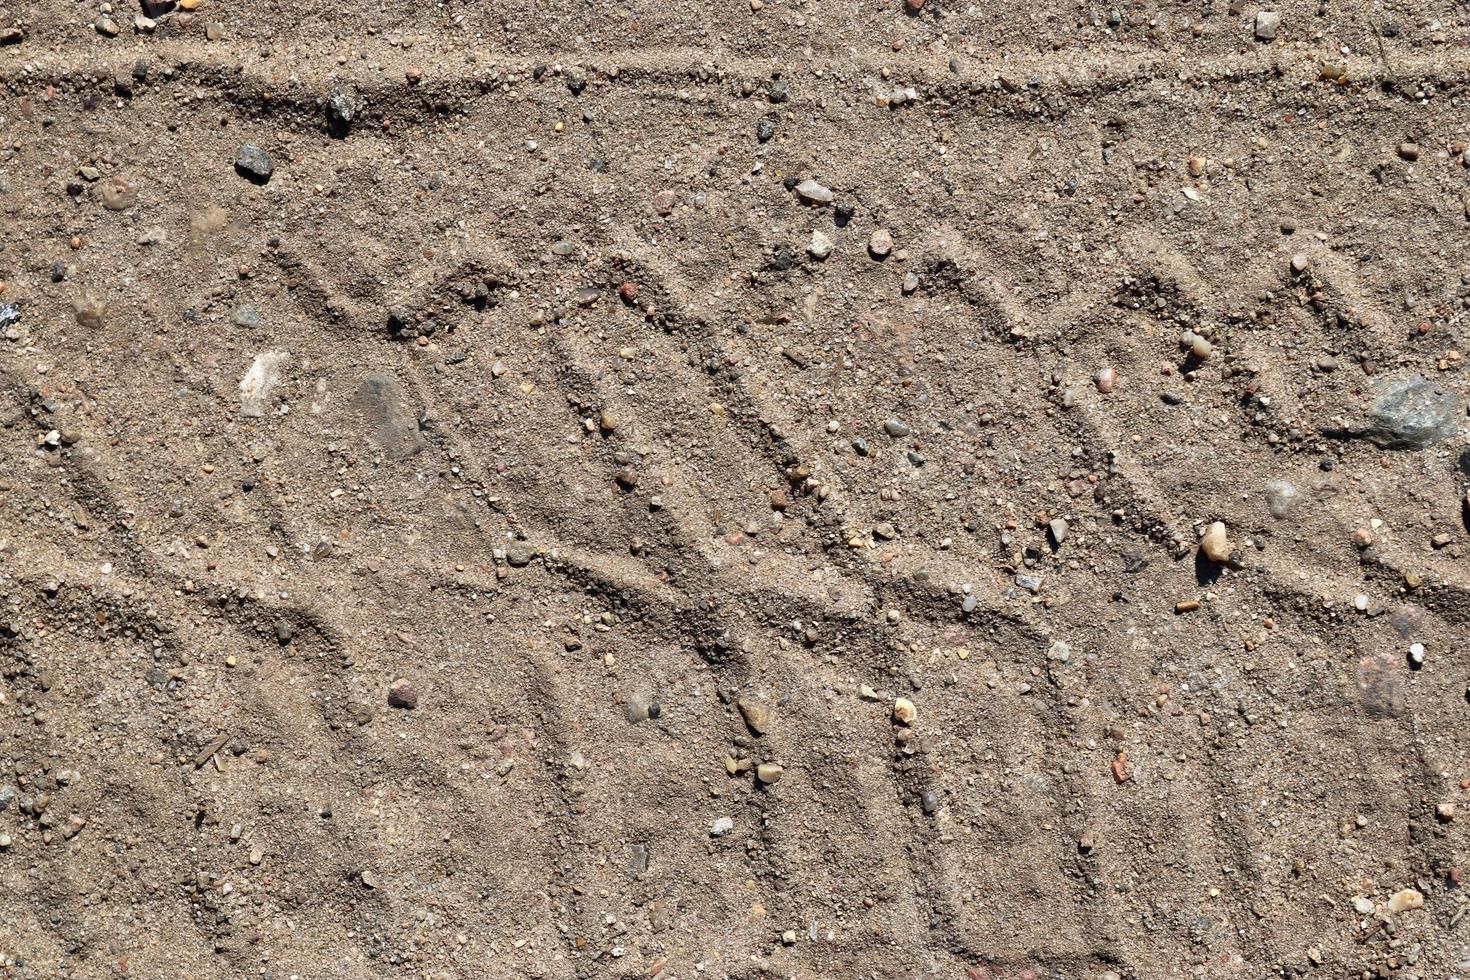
756, 715
904, 711
768, 772
1215, 544
1404, 901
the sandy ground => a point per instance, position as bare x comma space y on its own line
616, 565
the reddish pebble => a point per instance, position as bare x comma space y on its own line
402, 694
1363, 538
1105, 380
1121, 772
628, 291
913, 6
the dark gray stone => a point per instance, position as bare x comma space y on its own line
253, 163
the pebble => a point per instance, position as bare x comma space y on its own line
8, 794
969, 605
393, 423
1031, 583
896, 429
929, 802
90, 311
757, 715
638, 856
1409, 151
247, 317
721, 827
910, 282
636, 710
904, 711
402, 694
1267, 21
260, 382
106, 26
1105, 379
117, 194
1413, 413
9, 313
1216, 544
1416, 654
1196, 345
1281, 499
880, 244
1058, 528
1405, 900
769, 772
820, 246
765, 128
342, 108
253, 163
813, 193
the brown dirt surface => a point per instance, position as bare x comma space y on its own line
498, 543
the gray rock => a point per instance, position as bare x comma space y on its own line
765, 128
1413, 413
1281, 499
1266, 23
929, 802
8, 794
1058, 529
896, 429
253, 163
721, 827
342, 108
393, 426
1031, 583
246, 316
813, 193
9, 313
